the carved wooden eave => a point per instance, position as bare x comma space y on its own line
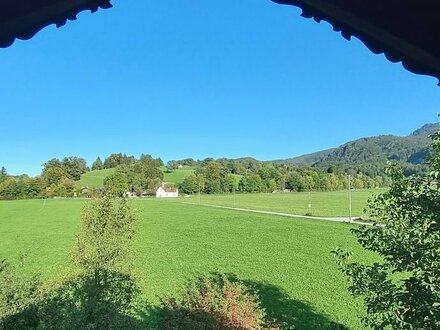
406, 31
22, 19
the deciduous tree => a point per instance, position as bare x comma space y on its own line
402, 291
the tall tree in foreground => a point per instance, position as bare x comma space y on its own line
103, 253
403, 290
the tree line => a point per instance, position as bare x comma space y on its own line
144, 175
58, 177
248, 175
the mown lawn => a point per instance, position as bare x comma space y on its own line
329, 204
287, 260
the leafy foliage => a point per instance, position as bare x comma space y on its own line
97, 164
102, 294
105, 237
249, 176
402, 291
213, 304
16, 295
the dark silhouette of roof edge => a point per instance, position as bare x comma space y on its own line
28, 25
379, 41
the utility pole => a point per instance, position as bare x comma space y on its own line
349, 199
310, 203
200, 196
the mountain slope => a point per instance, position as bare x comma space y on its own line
371, 154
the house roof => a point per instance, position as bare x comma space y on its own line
405, 31
22, 19
168, 190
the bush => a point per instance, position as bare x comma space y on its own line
213, 303
101, 294
18, 298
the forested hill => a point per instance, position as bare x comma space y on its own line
370, 154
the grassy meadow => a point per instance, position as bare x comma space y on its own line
287, 260
330, 204
94, 179
177, 176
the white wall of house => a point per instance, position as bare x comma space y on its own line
162, 193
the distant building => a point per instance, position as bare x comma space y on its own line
163, 192
129, 194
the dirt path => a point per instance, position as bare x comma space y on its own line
288, 215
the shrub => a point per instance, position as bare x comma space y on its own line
100, 294
18, 298
213, 303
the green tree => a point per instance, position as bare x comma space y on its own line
113, 160
215, 175
250, 182
3, 174
192, 184
97, 164
105, 237
74, 167
295, 181
172, 165
403, 290
65, 188
116, 183
53, 172
103, 253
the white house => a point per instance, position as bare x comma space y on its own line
163, 192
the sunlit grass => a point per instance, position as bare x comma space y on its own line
176, 242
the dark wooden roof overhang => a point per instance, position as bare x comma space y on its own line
406, 31
22, 19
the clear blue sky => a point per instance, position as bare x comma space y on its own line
181, 78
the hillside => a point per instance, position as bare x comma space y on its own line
176, 176
370, 154
95, 179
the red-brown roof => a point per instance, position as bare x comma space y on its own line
22, 19
170, 190
406, 31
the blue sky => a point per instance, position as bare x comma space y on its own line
180, 78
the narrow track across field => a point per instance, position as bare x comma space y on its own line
288, 215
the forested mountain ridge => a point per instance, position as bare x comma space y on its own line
370, 154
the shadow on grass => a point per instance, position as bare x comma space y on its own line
282, 311
104, 300
288, 312
114, 301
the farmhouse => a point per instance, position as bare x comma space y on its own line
163, 192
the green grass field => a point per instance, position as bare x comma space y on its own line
322, 203
177, 176
94, 179
287, 260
